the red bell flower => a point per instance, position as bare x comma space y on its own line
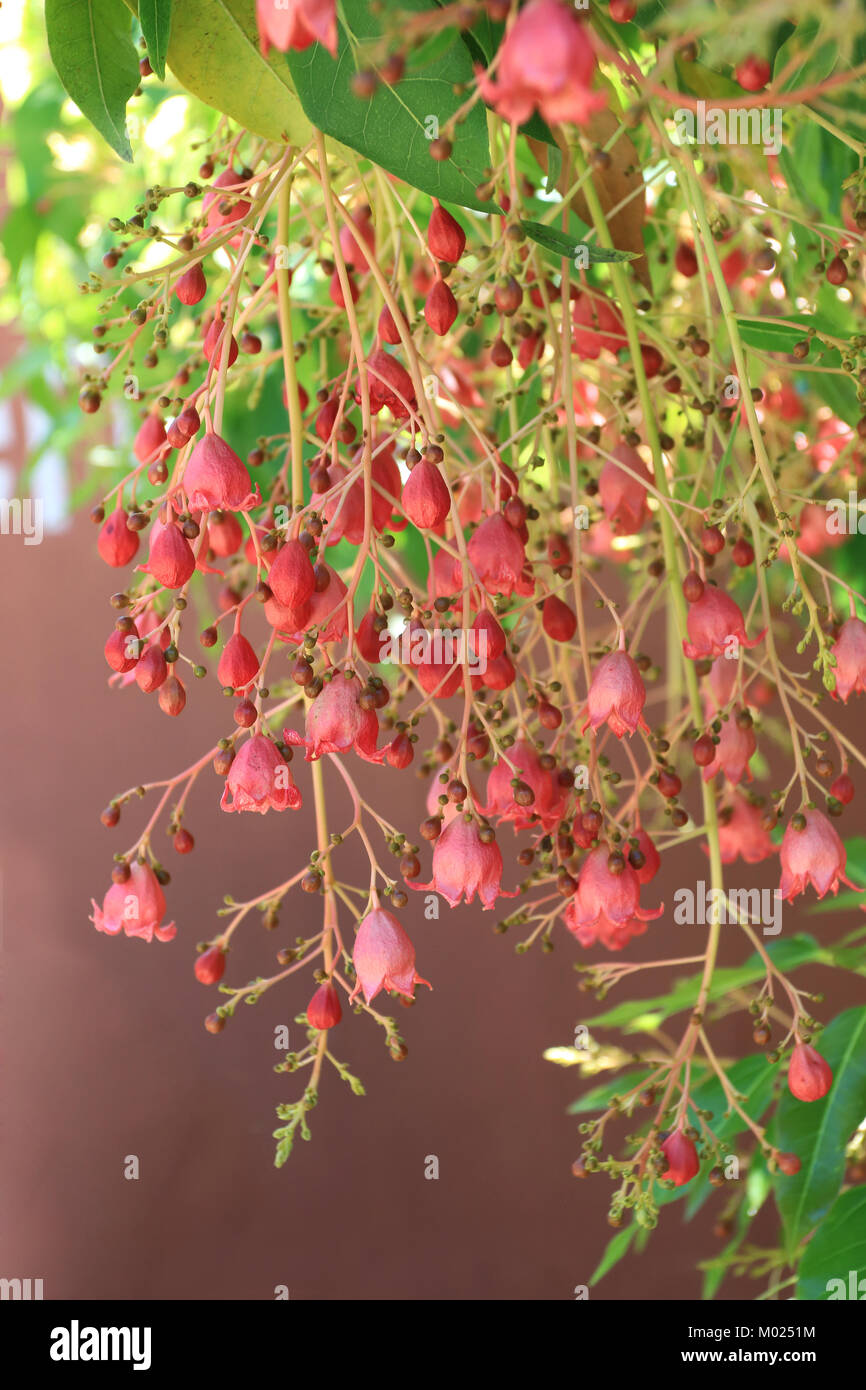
616, 694
446, 239
215, 478
623, 496
135, 907
546, 64
336, 722
812, 852
596, 325
464, 865
612, 892
210, 966
150, 438
297, 24
497, 555
384, 957
614, 936
850, 653
291, 577
715, 623
170, 561
742, 834
390, 385
259, 779
735, 747
550, 796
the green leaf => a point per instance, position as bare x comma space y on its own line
754, 1078
616, 1247
816, 62
155, 16
640, 1015
779, 337
90, 42
718, 489
817, 1131
757, 1191
837, 1249
839, 392
702, 81
561, 244
214, 52
600, 1097
394, 127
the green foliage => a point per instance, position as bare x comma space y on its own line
561, 244
295, 1115
837, 1249
642, 1015
393, 127
91, 46
155, 17
818, 1131
214, 53
618, 1246
815, 60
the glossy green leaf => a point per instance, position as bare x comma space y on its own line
817, 1131
754, 1078
155, 17
718, 487
616, 1248
90, 42
781, 337
599, 1097
834, 1261
395, 127
561, 244
816, 61
214, 52
701, 81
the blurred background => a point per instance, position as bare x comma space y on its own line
104, 1052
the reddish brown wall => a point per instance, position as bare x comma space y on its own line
105, 1054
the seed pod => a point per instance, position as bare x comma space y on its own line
557, 619
400, 751
440, 308
446, 239
324, 1010
693, 586
172, 696
117, 545
809, 1075
508, 296
191, 288
151, 670
425, 496
210, 966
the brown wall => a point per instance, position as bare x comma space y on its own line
104, 1053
